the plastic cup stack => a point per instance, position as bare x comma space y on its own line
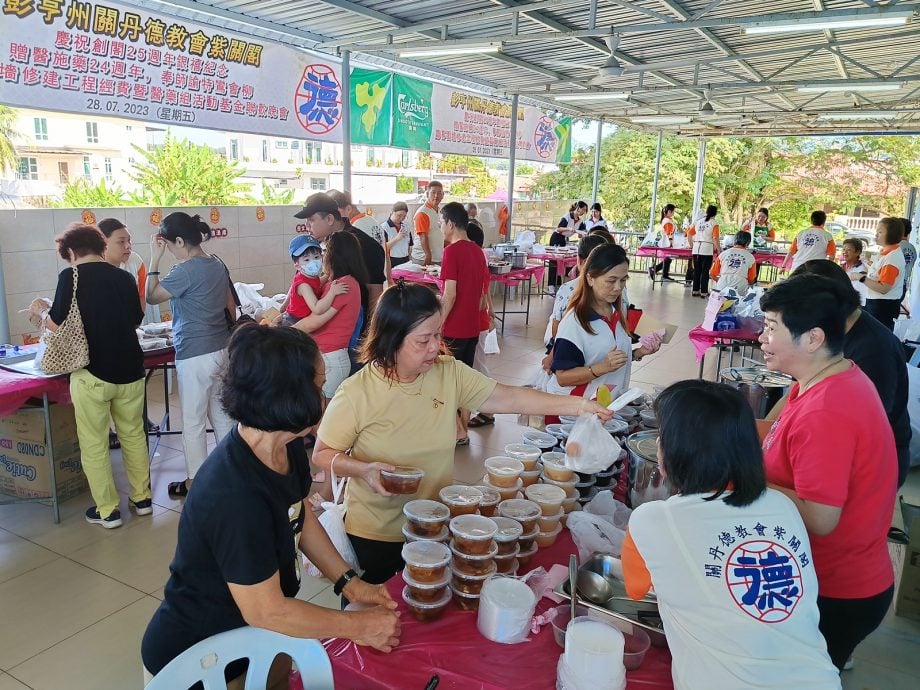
593, 657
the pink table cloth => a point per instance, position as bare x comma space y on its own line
702, 339
16, 389
453, 649
513, 278
772, 258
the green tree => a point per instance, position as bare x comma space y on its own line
524, 169
405, 185
186, 174
82, 194
8, 135
481, 184
272, 196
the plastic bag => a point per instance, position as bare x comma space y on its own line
590, 448
651, 238
490, 346
605, 506
664, 241
593, 534
333, 521
680, 241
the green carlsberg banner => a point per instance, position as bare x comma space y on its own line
411, 113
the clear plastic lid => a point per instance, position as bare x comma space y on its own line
616, 426
467, 557
504, 466
407, 578
529, 552
463, 595
490, 495
538, 438
424, 510
518, 485
525, 451
473, 527
426, 554
519, 508
460, 494
553, 532
565, 486
545, 493
508, 529
415, 603
473, 578
506, 556
532, 534
556, 430
535, 472
404, 472
554, 458
443, 535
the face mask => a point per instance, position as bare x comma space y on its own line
312, 268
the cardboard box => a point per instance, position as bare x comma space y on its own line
908, 602
648, 324
24, 467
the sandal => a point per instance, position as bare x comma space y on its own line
480, 420
463, 441
114, 443
177, 489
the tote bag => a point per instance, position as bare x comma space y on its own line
66, 349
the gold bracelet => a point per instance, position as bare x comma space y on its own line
593, 375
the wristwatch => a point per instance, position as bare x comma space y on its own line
347, 577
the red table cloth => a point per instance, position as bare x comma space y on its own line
16, 389
512, 278
702, 339
453, 649
773, 258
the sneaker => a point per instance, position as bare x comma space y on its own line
144, 507
111, 522
651, 272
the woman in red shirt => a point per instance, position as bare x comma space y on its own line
832, 452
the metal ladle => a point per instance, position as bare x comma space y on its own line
573, 590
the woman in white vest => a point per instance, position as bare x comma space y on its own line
885, 278
704, 235
593, 345
729, 559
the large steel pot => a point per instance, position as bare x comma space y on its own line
646, 481
761, 387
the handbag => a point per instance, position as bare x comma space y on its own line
234, 321
66, 349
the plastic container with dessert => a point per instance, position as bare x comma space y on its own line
470, 584
527, 539
525, 556
546, 539
466, 602
603, 480
473, 534
505, 564
426, 518
585, 488
540, 439
558, 431
568, 487
506, 493
547, 496
526, 453
426, 611
569, 503
524, 511
507, 535
617, 427
426, 592
490, 499
547, 523
503, 472
461, 499
554, 467
473, 565
533, 476
443, 536
426, 561
401, 479
584, 500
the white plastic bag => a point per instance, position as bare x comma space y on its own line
590, 448
651, 238
490, 346
605, 506
593, 534
664, 241
333, 521
680, 240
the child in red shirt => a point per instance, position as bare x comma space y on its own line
302, 300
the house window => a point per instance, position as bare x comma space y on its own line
108, 169
87, 168
318, 184
317, 153
295, 145
92, 133
41, 129
234, 150
281, 144
405, 159
265, 151
28, 169
63, 172
370, 156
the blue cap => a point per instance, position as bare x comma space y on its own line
302, 243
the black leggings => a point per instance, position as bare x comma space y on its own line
701, 265
463, 349
885, 310
380, 560
847, 622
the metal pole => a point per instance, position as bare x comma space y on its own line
700, 171
346, 120
653, 213
597, 159
512, 158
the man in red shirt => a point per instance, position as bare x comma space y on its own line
464, 272
832, 453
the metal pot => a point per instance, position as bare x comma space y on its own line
646, 481
518, 259
761, 387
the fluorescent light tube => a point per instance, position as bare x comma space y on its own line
852, 86
599, 96
661, 119
860, 115
830, 23
435, 51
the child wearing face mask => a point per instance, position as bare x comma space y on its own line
302, 300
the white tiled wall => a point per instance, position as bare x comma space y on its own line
255, 251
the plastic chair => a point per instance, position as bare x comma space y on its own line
206, 661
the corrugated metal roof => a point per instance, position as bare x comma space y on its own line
751, 80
